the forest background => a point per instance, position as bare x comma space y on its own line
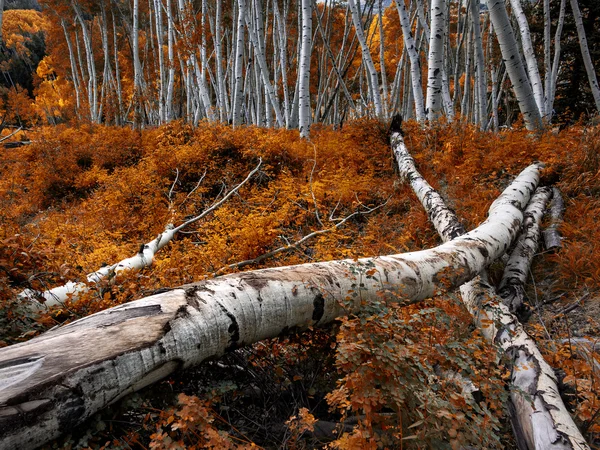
119, 118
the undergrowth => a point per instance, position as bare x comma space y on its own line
388, 377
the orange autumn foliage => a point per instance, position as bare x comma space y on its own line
80, 197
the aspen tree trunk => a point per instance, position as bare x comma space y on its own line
585, 53
552, 237
530, 57
74, 72
282, 40
171, 57
91, 66
137, 65
514, 65
480, 85
304, 116
415, 66
238, 90
262, 64
435, 60
120, 116
546, 113
367, 59
516, 271
556, 61
540, 418
55, 381
384, 84
161, 61
221, 94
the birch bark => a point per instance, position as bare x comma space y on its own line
514, 65
304, 116
367, 59
530, 57
415, 66
585, 53
540, 418
435, 60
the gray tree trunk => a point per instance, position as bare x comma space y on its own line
514, 65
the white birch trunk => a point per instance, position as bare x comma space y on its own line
91, 66
585, 53
480, 85
556, 61
262, 64
304, 115
137, 65
74, 72
512, 285
530, 56
435, 60
161, 61
238, 90
221, 94
171, 57
552, 237
514, 65
540, 418
415, 66
367, 59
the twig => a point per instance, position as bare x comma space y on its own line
294, 245
310, 184
220, 202
11, 134
195, 187
572, 306
170, 195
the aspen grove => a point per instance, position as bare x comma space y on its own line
299, 224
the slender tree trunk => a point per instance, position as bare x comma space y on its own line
304, 115
585, 53
161, 61
480, 85
74, 72
238, 90
221, 94
530, 56
367, 59
556, 62
137, 65
415, 66
91, 65
514, 65
435, 60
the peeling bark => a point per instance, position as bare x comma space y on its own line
539, 417
57, 380
552, 237
512, 285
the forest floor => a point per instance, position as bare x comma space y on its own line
78, 197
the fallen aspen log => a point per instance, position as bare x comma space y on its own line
512, 286
143, 258
57, 380
552, 238
539, 416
